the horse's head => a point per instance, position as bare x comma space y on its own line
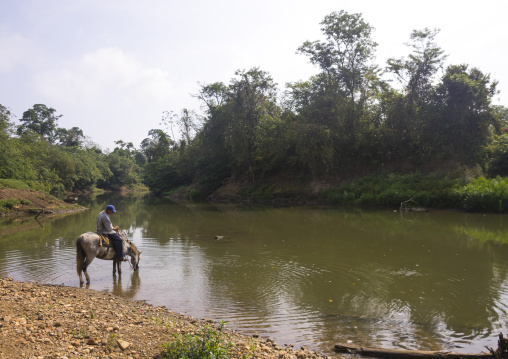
135, 256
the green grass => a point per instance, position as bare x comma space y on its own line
13, 183
8, 203
389, 189
205, 344
436, 190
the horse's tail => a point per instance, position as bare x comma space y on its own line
80, 255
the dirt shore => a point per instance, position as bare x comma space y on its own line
49, 321
31, 202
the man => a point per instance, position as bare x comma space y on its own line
104, 226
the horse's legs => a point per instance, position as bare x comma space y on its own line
117, 264
80, 259
79, 269
85, 267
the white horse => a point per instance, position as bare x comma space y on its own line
88, 248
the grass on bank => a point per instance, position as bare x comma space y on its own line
207, 343
389, 190
13, 183
436, 190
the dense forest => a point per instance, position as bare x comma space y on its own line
372, 134
58, 160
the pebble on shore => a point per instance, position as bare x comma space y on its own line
49, 321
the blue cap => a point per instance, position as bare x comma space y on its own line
111, 208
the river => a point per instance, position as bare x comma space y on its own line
313, 276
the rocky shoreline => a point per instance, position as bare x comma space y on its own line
49, 321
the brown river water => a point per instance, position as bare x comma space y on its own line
314, 276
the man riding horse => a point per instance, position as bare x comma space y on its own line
105, 227
89, 246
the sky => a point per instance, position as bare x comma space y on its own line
112, 67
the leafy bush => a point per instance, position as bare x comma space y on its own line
206, 344
389, 189
484, 194
9, 203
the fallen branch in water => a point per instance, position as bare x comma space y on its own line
502, 348
407, 354
42, 210
405, 208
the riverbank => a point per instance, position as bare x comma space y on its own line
49, 321
20, 202
460, 190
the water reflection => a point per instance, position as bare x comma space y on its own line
313, 276
134, 283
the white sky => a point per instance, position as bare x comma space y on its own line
111, 67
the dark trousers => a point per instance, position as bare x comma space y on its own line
117, 244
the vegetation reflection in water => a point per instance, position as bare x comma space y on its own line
313, 276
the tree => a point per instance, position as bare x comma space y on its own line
412, 113
70, 138
188, 122
234, 114
212, 95
124, 172
464, 98
417, 71
5, 122
5, 148
347, 51
41, 120
250, 101
157, 146
345, 58
127, 150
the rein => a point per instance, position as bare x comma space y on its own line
130, 264
123, 235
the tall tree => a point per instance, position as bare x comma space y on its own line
464, 97
5, 148
188, 122
345, 58
41, 120
156, 146
70, 138
416, 74
417, 71
251, 100
5, 121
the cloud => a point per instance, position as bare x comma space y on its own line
104, 76
108, 93
16, 50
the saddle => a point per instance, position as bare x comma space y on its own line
103, 240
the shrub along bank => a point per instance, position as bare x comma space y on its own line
461, 190
434, 191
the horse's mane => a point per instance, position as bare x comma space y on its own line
134, 248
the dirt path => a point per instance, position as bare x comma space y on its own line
47, 321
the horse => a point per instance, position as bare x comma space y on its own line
88, 247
